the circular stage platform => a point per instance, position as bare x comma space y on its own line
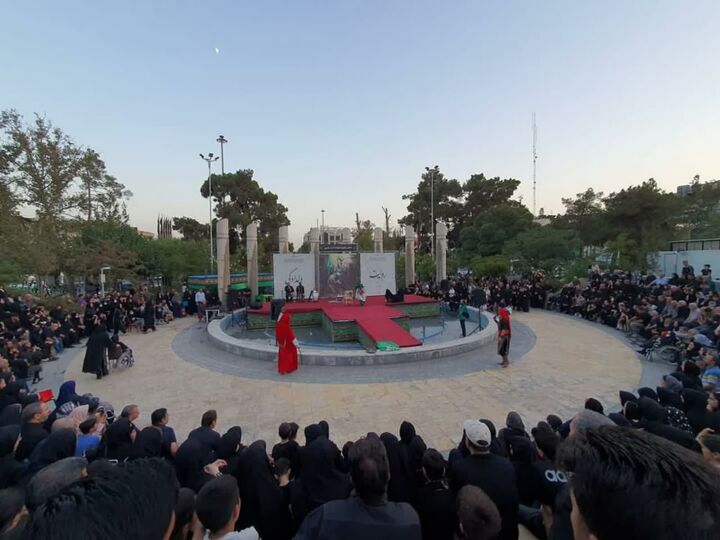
364, 326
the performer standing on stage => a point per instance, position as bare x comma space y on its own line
288, 345
504, 331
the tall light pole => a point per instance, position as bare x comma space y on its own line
210, 159
432, 210
222, 140
322, 227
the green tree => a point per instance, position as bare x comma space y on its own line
584, 216
493, 266
492, 229
239, 198
701, 208
424, 267
363, 236
447, 203
648, 215
625, 253
191, 229
100, 195
482, 193
542, 248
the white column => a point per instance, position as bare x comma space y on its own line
222, 244
378, 240
409, 255
252, 258
441, 252
283, 242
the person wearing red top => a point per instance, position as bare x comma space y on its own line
504, 332
287, 344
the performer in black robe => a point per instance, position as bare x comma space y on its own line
149, 317
95, 354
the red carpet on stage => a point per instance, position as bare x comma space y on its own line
375, 318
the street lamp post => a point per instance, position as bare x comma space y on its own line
222, 140
210, 159
432, 210
322, 228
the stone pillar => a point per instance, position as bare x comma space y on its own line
252, 259
222, 244
314, 240
440, 252
409, 255
378, 240
283, 243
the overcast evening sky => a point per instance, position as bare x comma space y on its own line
341, 104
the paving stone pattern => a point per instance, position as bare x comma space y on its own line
569, 362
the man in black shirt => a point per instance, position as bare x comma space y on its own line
206, 434
493, 474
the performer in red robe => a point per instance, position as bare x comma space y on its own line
285, 338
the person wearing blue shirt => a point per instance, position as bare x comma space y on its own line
88, 439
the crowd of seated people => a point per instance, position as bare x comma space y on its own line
31, 334
80, 470
681, 312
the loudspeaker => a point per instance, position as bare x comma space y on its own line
275, 306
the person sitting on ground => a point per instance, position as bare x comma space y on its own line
132, 413
493, 474
478, 517
206, 434
88, 439
32, 431
287, 448
616, 471
435, 503
52, 479
134, 500
217, 506
159, 419
397, 297
711, 372
360, 296
367, 514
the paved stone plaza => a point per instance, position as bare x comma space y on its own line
565, 362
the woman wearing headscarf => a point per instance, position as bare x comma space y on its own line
148, 316
496, 445
653, 420
514, 427
412, 449
696, 409
118, 440
287, 344
97, 344
229, 448
400, 487
189, 463
321, 480
11, 470
59, 445
673, 404
263, 505
148, 444
522, 456
67, 394
504, 333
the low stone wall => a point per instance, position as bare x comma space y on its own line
252, 349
